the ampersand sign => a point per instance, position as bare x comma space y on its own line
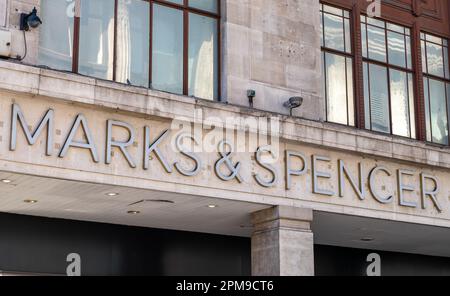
226, 160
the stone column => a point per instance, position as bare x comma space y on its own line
282, 242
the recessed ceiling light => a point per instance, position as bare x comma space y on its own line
213, 206
367, 239
111, 194
6, 181
30, 201
133, 212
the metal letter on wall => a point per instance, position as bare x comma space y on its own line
402, 188
153, 147
226, 159
70, 142
122, 145
270, 168
343, 172
430, 193
376, 195
195, 158
316, 175
291, 172
46, 121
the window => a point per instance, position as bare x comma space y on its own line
337, 63
388, 78
167, 72
56, 42
169, 45
133, 42
97, 39
435, 67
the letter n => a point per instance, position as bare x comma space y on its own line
47, 121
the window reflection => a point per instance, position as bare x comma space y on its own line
137, 42
334, 31
207, 5
337, 65
167, 73
132, 42
436, 87
203, 57
400, 103
388, 77
97, 39
56, 35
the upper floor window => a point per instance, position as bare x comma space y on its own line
167, 45
435, 66
388, 77
337, 61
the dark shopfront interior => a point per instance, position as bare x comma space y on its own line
41, 245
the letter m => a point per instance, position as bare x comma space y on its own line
32, 136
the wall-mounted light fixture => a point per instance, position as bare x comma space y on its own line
293, 103
30, 20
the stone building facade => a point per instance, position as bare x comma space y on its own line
83, 147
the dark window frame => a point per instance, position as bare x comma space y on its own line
186, 9
444, 79
346, 55
389, 67
418, 20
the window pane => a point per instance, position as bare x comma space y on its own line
399, 103
446, 74
336, 88
412, 112
348, 45
167, 62
132, 42
334, 32
377, 43
368, 120
208, 5
97, 38
379, 99
435, 59
396, 49
427, 109
433, 39
424, 57
351, 99
333, 10
56, 35
203, 57
364, 40
438, 110
375, 22
408, 52
396, 28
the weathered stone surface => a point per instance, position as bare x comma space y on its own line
278, 50
282, 242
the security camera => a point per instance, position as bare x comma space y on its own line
293, 103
